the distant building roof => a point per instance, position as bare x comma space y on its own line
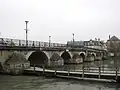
114, 38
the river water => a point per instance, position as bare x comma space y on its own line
43, 83
108, 64
8, 82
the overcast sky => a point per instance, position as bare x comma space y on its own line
87, 19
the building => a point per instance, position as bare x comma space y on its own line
97, 44
113, 46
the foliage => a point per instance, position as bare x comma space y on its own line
114, 47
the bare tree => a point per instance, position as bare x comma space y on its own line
114, 47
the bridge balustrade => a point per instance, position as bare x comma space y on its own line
17, 42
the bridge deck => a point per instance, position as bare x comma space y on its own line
54, 48
106, 76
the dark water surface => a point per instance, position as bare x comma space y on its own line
42, 83
111, 63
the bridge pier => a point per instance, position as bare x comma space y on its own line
99, 56
90, 57
76, 58
14, 62
5, 54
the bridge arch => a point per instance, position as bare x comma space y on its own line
38, 58
66, 57
93, 54
27, 55
82, 56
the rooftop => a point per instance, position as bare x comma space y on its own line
114, 38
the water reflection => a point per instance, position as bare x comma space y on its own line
110, 64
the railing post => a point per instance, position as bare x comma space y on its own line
88, 69
68, 72
116, 73
103, 68
39, 44
55, 71
99, 72
83, 71
23, 66
34, 67
43, 69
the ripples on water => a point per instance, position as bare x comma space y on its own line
43, 83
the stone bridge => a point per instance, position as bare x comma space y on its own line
54, 56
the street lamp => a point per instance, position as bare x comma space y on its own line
73, 37
49, 40
26, 33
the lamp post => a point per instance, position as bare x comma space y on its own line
26, 33
73, 37
49, 40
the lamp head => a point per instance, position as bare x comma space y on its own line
26, 22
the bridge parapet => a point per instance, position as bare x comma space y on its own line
18, 42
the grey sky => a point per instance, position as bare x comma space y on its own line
59, 19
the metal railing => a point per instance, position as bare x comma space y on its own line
83, 70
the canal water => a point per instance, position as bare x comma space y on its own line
8, 82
